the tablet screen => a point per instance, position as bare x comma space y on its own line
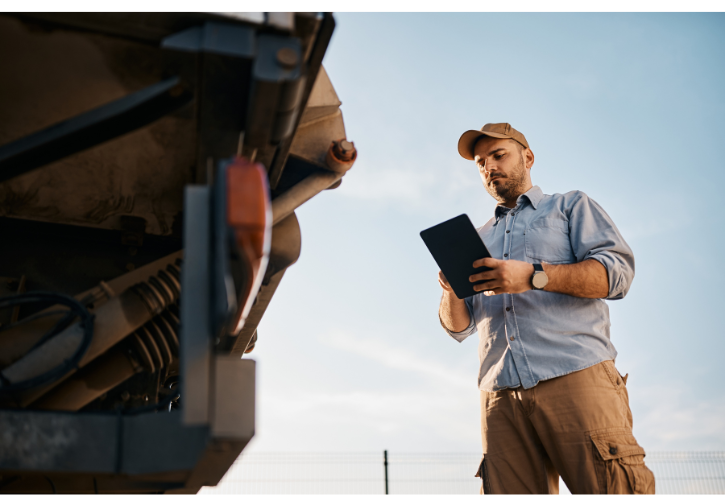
455, 244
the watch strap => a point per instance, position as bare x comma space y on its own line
538, 268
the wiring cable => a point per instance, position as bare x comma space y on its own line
59, 326
52, 485
76, 309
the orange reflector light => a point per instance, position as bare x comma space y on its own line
249, 215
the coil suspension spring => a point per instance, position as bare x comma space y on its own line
156, 343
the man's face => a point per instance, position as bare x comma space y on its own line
503, 168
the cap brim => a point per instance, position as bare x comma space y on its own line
468, 139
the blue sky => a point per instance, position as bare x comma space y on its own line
625, 107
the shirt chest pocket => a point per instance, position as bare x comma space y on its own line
547, 240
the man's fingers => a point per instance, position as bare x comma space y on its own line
490, 285
487, 262
485, 275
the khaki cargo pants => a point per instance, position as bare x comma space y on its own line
578, 425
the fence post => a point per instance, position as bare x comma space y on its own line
385, 464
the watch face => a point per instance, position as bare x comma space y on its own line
539, 280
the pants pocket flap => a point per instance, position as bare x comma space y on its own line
616, 443
479, 472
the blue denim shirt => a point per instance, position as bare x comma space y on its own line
536, 335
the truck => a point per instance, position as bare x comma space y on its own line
150, 169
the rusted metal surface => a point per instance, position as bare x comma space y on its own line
97, 186
341, 156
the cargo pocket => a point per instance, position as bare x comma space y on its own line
619, 461
483, 474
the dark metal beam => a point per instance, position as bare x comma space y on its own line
313, 67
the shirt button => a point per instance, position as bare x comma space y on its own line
508, 232
508, 308
511, 337
505, 255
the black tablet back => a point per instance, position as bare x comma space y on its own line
455, 244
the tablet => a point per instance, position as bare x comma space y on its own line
455, 244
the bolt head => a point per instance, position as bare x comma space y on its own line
346, 145
287, 57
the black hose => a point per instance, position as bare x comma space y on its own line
54, 374
59, 326
52, 484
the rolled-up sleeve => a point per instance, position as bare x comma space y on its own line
470, 329
594, 235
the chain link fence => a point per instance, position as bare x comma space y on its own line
688, 472
433, 473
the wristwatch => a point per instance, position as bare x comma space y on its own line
539, 279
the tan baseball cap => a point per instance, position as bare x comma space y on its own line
497, 130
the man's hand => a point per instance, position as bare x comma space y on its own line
506, 276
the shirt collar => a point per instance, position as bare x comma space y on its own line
534, 195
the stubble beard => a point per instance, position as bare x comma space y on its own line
511, 186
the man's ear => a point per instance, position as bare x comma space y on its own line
528, 158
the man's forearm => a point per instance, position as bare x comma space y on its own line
454, 313
587, 279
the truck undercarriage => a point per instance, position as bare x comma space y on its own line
150, 166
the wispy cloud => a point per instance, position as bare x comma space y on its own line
373, 182
672, 418
661, 211
397, 357
406, 185
440, 411
385, 410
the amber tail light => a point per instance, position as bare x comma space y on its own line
249, 216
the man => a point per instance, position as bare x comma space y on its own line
552, 402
